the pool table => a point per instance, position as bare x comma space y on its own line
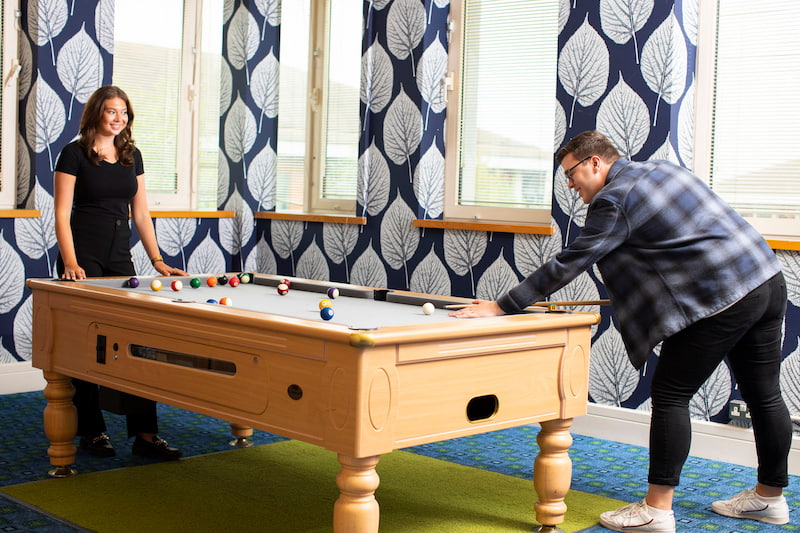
379, 375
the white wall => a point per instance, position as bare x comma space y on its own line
20, 377
710, 440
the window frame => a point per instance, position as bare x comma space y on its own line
319, 51
187, 141
10, 105
454, 85
185, 197
770, 227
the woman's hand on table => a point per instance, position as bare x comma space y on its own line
166, 270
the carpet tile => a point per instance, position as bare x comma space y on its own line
600, 467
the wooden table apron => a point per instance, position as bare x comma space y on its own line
357, 393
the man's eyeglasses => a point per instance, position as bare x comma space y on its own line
568, 173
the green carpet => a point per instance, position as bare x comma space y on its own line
290, 487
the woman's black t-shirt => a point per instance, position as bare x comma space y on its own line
105, 189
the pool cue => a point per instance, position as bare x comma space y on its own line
545, 304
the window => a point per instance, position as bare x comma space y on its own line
318, 111
503, 57
171, 72
9, 69
745, 117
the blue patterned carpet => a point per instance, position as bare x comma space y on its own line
599, 466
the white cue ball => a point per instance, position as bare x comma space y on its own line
428, 308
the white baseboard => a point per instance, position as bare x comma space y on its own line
710, 440
20, 377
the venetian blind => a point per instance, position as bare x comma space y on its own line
341, 125
147, 66
293, 90
507, 103
2, 74
208, 149
754, 164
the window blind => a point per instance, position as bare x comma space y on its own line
293, 91
507, 103
754, 164
147, 66
341, 125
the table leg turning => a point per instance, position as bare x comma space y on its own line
552, 473
356, 510
60, 423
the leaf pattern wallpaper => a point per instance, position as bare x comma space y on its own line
625, 67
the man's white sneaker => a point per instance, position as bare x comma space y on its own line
637, 517
748, 504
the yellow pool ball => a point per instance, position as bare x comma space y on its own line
155, 285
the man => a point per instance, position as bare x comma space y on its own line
684, 268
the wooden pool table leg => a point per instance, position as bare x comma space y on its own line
552, 472
60, 423
356, 510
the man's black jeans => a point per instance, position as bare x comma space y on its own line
749, 334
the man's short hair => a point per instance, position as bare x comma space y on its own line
587, 144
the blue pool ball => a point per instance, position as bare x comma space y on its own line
211, 301
133, 283
326, 313
333, 292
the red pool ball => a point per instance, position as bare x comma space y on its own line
176, 285
283, 289
285, 281
234, 281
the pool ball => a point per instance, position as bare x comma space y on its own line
234, 281
222, 280
225, 301
283, 289
176, 285
155, 285
133, 283
211, 281
286, 282
195, 283
333, 292
326, 313
211, 301
325, 303
428, 308
244, 277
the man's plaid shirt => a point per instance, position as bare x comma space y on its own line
670, 252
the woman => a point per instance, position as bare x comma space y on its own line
99, 183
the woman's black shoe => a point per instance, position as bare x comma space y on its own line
157, 449
97, 445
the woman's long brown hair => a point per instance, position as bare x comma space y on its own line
92, 114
